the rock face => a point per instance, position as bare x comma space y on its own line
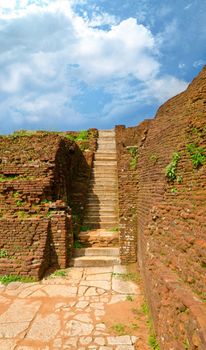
165, 195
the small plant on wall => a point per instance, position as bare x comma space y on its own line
197, 155
171, 168
133, 151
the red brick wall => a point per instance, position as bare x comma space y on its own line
39, 176
26, 247
171, 220
128, 183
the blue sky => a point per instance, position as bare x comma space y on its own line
75, 64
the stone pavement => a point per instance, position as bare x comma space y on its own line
84, 310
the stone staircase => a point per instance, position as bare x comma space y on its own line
101, 240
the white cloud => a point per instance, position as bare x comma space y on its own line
48, 52
7, 4
165, 87
181, 65
187, 7
13, 79
198, 63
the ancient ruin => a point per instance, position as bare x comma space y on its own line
128, 195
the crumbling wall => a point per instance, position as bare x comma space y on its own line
37, 172
171, 218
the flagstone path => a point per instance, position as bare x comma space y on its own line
88, 309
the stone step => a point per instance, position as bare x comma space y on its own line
102, 180
105, 163
100, 218
105, 136
109, 180
107, 151
95, 210
106, 173
102, 193
101, 225
110, 152
103, 198
105, 157
107, 141
100, 238
106, 146
101, 206
97, 251
106, 207
103, 183
106, 132
102, 187
94, 261
105, 203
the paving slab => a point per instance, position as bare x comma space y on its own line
44, 328
124, 287
71, 312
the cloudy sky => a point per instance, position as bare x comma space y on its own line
75, 64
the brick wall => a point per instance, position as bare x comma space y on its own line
25, 246
128, 139
39, 174
171, 216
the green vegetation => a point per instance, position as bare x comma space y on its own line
81, 136
85, 228
45, 201
174, 190
145, 308
152, 340
16, 194
130, 276
129, 297
6, 279
11, 177
78, 245
135, 326
153, 158
186, 344
70, 137
8, 177
19, 203
119, 329
3, 253
23, 214
179, 179
171, 168
21, 133
114, 229
49, 213
197, 155
133, 151
59, 273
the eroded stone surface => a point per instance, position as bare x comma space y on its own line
44, 328
65, 313
124, 287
